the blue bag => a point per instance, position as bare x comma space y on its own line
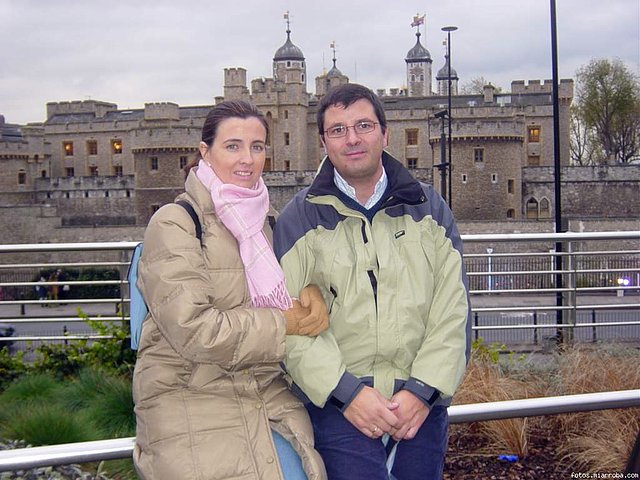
138, 310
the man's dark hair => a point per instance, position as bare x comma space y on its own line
346, 95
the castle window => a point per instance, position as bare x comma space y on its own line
288, 63
86, 194
22, 177
478, 155
68, 148
412, 136
93, 170
69, 172
267, 164
287, 165
116, 146
43, 174
511, 213
117, 170
422, 78
545, 208
413, 78
106, 193
128, 194
412, 163
532, 209
533, 134
153, 163
183, 162
92, 147
511, 184
285, 114
464, 178
287, 138
533, 161
67, 195
494, 178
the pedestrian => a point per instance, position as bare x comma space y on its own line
41, 291
211, 397
385, 251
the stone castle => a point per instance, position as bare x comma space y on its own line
90, 164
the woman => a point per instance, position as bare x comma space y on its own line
211, 398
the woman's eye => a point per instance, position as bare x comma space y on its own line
258, 147
232, 147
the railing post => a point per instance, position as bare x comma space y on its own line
570, 297
535, 330
593, 329
475, 323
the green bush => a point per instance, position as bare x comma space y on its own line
110, 355
12, 366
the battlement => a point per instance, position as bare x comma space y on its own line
161, 111
98, 108
235, 77
565, 87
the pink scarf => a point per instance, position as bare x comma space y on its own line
243, 211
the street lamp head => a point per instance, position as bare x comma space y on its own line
450, 28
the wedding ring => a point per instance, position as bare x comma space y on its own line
374, 429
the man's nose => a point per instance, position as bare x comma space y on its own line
352, 137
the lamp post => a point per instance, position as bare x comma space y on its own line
449, 29
443, 152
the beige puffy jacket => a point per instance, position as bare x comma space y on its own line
208, 386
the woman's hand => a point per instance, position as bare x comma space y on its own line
308, 316
294, 316
318, 319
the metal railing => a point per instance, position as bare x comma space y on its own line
512, 278
84, 452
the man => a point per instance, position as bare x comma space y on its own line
386, 253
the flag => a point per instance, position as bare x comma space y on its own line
333, 44
286, 15
417, 20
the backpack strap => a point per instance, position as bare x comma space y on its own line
194, 216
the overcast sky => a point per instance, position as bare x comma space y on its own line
130, 52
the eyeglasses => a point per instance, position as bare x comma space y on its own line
360, 128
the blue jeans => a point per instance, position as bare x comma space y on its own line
350, 455
289, 459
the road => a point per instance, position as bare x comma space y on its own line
58, 319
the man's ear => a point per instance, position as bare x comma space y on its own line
386, 138
324, 146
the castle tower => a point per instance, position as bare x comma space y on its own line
332, 78
442, 79
418, 65
288, 62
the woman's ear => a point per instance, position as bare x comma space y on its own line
204, 148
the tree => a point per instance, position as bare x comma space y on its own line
608, 102
475, 86
583, 146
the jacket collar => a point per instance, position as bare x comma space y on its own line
402, 188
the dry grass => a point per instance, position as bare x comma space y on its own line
590, 441
602, 440
484, 382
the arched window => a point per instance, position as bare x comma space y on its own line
511, 213
532, 209
545, 208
